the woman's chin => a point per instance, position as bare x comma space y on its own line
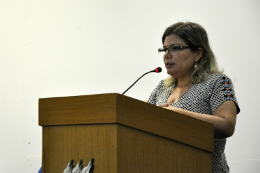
170, 72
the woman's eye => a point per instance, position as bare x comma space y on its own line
175, 48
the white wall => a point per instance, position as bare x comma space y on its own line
64, 48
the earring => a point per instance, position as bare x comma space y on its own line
195, 66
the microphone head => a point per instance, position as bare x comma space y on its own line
158, 69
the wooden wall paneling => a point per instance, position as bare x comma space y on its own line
143, 152
63, 143
123, 135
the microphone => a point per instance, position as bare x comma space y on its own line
157, 70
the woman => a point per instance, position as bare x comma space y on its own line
195, 86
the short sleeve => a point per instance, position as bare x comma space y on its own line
152, 97
222, 91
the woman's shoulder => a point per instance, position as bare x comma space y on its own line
215, 79
218, 77
161, 84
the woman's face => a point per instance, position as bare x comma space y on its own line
181, 64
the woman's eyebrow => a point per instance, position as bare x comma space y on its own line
176, 44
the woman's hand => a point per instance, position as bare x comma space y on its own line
164, 105
168, 106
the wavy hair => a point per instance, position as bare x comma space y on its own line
195, 36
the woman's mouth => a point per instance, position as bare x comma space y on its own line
168, 65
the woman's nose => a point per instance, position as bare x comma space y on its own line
167, 54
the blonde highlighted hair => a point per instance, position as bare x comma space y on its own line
195, 37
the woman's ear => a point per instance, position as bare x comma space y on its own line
199, 54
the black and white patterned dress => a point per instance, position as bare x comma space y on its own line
203, 98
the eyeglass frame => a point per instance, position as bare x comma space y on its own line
160, 50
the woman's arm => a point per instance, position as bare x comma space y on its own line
223, 119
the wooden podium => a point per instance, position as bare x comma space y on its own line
123, 135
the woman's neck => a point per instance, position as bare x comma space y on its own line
184, 82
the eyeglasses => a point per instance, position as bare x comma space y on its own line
173, 50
